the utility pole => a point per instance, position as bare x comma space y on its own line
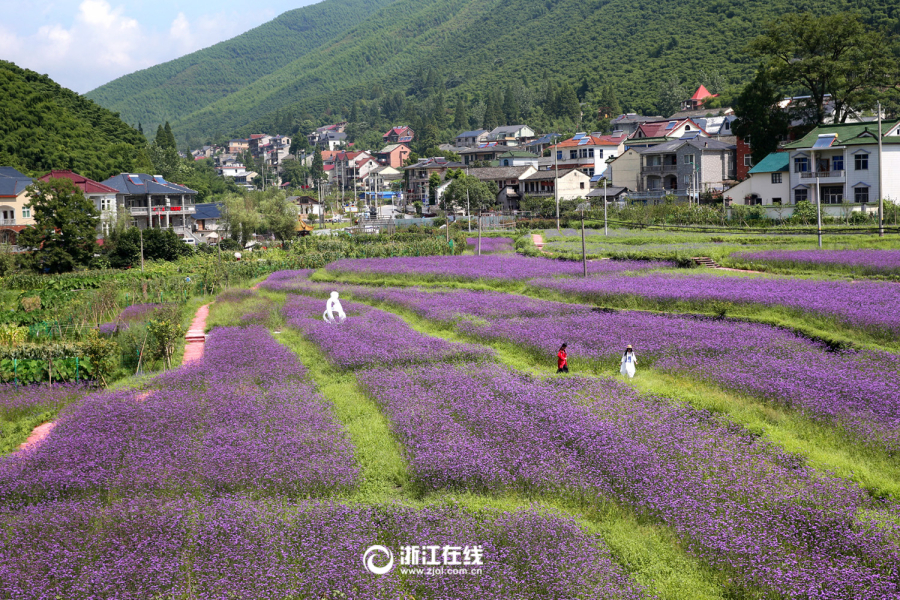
605, 222
556, 183
141, 231
582, 207
468, 209
880, 180
818, 200
479, 232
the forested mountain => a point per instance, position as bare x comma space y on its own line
439, 51
174, 89
44, 126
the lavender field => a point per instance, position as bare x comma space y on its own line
426, 448
860, 262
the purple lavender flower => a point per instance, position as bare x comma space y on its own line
241, 419
864, 262
237, 547
138, 312
491, 245
515, 268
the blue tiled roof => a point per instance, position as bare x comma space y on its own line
140, 183
211, 210
12, 182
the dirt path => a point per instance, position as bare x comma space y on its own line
195, 338
37, 436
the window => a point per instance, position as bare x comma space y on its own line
776, 177
861, 195
776, 201
105, 204
801, 195
861, 162
559, 155
590, 172
688, 159
687, 127
591, 153
687, 180
748, 160
727, 124
600, 153
573, 153
837, 163
26, 213
833, 194
801, 164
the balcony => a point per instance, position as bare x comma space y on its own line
7, 222
822, 174
660, 168
143, 211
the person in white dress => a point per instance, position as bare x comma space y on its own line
334, 312
628, 362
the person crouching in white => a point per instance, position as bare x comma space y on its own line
628, 362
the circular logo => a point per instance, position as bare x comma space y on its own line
376, 552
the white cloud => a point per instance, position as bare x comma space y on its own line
103, 42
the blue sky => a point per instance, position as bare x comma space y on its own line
82, 44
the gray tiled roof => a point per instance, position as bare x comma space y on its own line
141, 183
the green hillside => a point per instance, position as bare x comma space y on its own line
479, 46
174, 89
44, 126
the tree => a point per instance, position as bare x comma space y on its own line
65, 226
759, 118
671, 95
438, 112
481, 194
460, 116
170, 137
317, 171
434, 182
279, 217
240, 217
299, 143
294, 172
567, 104
123, 247
511, 110
834, 55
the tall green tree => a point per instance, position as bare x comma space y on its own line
836, 55
460, 116
161, 138
671, 94
64, 235
170, 137
511, 110
317, 170
759, 118
434, 182
567, 103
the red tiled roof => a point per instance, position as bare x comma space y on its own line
402, 130
88, 186
660, 128
702, 93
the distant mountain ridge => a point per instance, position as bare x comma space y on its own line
174, 89
475, 45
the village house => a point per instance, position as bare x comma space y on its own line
658, 132
15, 215
517, 158
625, 169
393, 155
507, 179
470, 139
306, 205
207, 225
538, 145
573, 184
511, 135
840, 165
379, 179
101, 196
417, 177
588, 153
628, 123
768, 184
686, 167
238, 146
701, 96
153, 202
328, 135
399, 135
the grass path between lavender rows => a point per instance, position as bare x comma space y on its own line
830, 330
825, 448
650, 554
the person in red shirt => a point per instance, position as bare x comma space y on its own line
562, 360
